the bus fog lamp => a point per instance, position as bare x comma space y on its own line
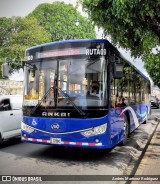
97, 140
27, 128
95, 131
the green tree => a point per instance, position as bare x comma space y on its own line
16, 35
59, 20
5, 31
132, 24
152, 65
1, 68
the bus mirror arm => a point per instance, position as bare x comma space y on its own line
6, 68
33, 67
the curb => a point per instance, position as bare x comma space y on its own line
144, 157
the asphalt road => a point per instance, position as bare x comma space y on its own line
17, 158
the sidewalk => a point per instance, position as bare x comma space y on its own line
150, 164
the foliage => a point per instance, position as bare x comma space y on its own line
152, 65
48, 22
132, 24
16, 35
5, 31
59, 20
0, 68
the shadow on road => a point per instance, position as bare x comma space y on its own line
10, 142
119, 157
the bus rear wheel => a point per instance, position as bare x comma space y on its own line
146, 116
125, 132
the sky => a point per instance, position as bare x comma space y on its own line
9, 8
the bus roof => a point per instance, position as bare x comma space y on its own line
71, 41
91, 40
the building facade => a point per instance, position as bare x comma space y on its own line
10, 87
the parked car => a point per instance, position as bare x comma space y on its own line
154, 102
10, 116
158, 96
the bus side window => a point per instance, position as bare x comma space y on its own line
120, 89
115, 92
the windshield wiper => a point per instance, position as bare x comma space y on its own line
79, 110
39, 103
65, 95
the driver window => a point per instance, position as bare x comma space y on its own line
5, 105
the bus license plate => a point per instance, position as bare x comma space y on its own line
55, 140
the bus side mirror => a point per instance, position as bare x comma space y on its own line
118, 70
5, 70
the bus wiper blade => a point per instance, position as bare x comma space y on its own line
39, 103
74, 105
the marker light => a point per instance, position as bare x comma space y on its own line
26, 128
95, 130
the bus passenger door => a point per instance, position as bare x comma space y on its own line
116, 108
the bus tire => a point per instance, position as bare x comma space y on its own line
125, 132
146, 116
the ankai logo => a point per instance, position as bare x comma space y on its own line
56, 114
55, 126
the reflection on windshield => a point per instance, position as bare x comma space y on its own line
84, 80
31, 92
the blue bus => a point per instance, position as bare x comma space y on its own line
82, 93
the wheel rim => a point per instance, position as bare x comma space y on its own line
146, 114
125, 134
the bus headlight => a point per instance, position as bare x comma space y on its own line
95, 130
26, 128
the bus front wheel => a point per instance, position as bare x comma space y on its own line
125, 132
146, 116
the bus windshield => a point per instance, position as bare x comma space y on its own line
82, 79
